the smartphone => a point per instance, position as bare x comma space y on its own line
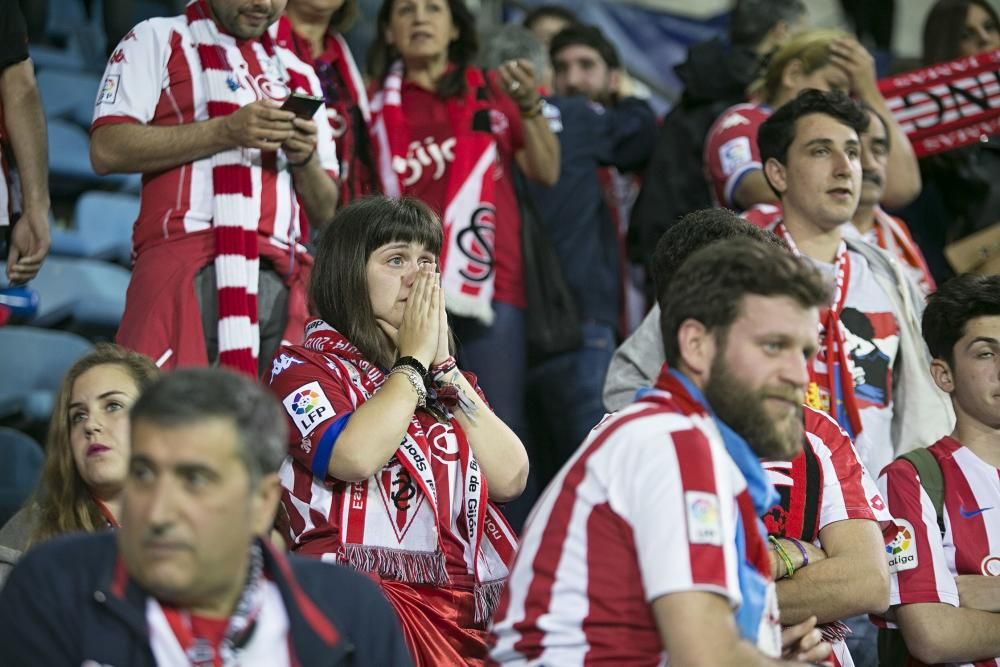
303, 106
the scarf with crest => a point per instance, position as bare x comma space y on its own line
839, 383
469, 219
392, 522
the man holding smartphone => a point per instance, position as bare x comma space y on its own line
230, 181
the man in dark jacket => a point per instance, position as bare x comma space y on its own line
188, 579
715, 76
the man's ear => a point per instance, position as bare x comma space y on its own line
265, 501
696, 345
616, 77
943, 378
776, 174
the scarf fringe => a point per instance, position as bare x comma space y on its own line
488, 599
412, 567
464, 305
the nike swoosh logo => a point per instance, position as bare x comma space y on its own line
969, 515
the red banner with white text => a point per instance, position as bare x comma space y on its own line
948, 105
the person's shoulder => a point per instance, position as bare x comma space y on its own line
823, 426
744, 114
71, 557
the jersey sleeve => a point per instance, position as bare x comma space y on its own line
918, 568
849, 492
679, 502
502, 102
731, 152
317, 403
135, 76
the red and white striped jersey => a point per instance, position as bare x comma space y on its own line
923, 564
731, 150
824, 484
648, 506
154, 78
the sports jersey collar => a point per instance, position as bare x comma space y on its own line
762, 492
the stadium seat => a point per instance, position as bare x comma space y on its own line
102, 228
31, 368
69, 162
68, 95
22, 464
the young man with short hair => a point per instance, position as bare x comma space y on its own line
189, 578
870, 374
600, 575
945, 579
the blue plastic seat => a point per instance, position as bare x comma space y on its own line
21, 461
68, 95
32, 364
102, 228
69, 162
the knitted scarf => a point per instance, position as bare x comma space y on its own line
392, 523
235, 216
468, 255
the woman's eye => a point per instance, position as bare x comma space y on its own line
77, 417
396, 261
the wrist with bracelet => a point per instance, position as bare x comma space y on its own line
534, 109
802, 550
303, 162
415, 380
782, 555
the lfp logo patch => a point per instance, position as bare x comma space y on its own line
308, 407
902, 551
703, 518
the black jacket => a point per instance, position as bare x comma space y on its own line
69, 601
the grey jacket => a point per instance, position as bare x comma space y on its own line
14, 538
922, 413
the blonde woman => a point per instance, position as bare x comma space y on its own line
822, 59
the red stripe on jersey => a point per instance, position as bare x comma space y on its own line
845, 463
539, 596
298, 82
112, 120
213, 57
616, 593
232, 179
968, 533
903, 498
708, 562
217, 109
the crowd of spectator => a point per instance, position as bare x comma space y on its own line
455, 353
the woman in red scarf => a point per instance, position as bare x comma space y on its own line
316, 37
395, 457
450, 135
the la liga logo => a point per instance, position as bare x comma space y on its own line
902, 550
305, 402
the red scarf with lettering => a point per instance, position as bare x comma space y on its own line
392, 522
833, 344
467, 256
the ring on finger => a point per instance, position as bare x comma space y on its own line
515, 85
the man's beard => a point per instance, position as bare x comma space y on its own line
743, 410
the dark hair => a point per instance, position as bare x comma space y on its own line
950, 308
585, 35
693, 232
548, 12
192, 395
944, 26
710, 286
751, 20
339, 285
777, 133
461, 52
868, 109
345, 17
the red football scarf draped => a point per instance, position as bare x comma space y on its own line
467, 258
370, 544
893, 237
235, 217
833, 343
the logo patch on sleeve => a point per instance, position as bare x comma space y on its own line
734, 154
308, 407
703, 519
902, 551
109, 89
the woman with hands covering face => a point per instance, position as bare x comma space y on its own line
396, 459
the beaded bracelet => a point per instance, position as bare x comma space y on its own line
780, 552
415, 380
802, 550
412, 363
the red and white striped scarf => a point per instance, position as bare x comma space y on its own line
235, 216
469, 251
404, 542
892, 236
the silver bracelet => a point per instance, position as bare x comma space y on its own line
415, 380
